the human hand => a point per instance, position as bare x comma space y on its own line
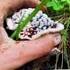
13, 54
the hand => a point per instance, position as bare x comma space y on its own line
8, 6
13, 54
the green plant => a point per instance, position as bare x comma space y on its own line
57, 5
66, 21
65, 40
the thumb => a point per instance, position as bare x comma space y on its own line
37, 48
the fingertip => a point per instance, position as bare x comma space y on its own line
57, 39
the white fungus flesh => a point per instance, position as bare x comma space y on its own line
39, 25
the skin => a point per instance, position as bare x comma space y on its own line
10, 6
13, 54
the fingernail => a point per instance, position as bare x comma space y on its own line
57, 39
